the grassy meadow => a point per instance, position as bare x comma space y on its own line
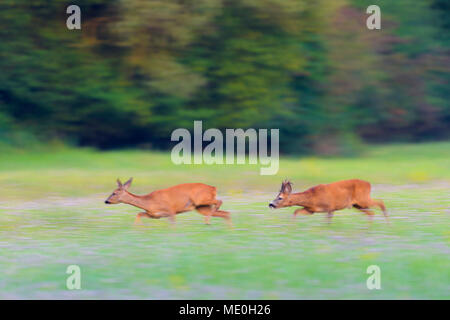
52, 215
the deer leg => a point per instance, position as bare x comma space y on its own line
217, 204
163, 214
223, 214
329, 216
172, 218
368, 212
302, 211
139, 215
169, 214
206, 211
380, 204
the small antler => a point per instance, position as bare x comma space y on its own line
119, 184
284, 184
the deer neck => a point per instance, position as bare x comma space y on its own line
135, 200
298, 199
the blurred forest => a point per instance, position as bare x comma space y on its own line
139, 69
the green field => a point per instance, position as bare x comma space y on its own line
52, 215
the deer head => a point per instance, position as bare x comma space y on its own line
281, 200
118, 195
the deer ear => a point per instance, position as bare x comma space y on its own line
287, 186
128, 183
119, 184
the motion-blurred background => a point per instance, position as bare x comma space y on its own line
138, 69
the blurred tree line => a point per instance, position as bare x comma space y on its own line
139, 69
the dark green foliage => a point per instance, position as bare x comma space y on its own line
140, 68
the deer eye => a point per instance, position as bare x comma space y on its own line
280, 198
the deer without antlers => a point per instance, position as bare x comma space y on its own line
329, 198
171, 201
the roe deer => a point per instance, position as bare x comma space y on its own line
329, 198
171, 201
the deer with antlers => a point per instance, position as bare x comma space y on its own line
329, 198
